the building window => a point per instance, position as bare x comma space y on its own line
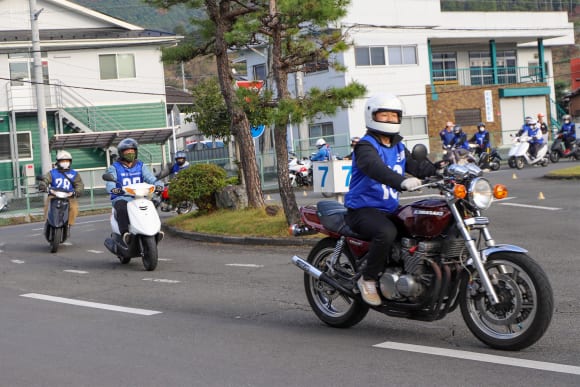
117, 66
324, 130
414, 126
467, 117
534, 72
481, 72
369, 56
315, 67
444, 66
24, 146
22, 67
402, 55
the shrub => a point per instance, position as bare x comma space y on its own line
199, 183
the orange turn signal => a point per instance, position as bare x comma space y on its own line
130, 191
459, 191
500, 191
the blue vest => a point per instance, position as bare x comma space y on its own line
366, 192
446, 136
480, 139
126, 176
532, 131
569, 130
176, 168
59, 181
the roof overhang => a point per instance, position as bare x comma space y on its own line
107, 139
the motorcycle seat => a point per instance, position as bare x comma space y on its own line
331, 214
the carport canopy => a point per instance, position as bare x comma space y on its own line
107, 139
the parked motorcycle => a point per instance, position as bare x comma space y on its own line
519, 155
56, 227
162, 201
300, 171
3, 202
435, 266
144, 227
558, 150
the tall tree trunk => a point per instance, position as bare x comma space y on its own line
240, 124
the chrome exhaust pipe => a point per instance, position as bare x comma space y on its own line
319, 275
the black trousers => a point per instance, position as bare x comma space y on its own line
376, 226
122, 216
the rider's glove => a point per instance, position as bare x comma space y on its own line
410, 183
158, 188
117, 191
42, 187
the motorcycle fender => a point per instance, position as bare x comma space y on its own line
143, 217
485, 253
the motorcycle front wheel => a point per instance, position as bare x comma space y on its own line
512, 162
519, 162
148, 246
525, 308
330, 305
554, 156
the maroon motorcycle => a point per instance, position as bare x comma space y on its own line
444, 257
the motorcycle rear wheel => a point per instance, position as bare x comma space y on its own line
526, 302
554, 156
149, 256
331, 306
519, 162
56, 239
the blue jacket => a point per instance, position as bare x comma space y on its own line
124, 175
446, 137
460, 141
568, 130
323, 154
175, 168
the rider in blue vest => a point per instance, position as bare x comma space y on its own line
180, 164
481, 139
459, 139
63, 178
568, 132
534, 133
379, 164
447, 135
127, 170
323, 153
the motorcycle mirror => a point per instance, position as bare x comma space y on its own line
108, 177
419, 152
39, 177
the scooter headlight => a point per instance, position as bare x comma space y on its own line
480, 193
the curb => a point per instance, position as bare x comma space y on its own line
249, 241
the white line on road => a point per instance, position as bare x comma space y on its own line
76, 271
165, 259
531, 206
95, 251
96, 305
465, 355
243, 265
167, 281
18, 261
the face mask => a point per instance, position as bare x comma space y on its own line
64, 164
482, 129
130, 157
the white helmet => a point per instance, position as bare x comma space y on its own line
63, 155
320, 142
380, 103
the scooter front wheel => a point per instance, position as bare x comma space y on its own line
56, 239
149, 255
554, 156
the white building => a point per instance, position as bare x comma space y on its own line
440, 64
101, 75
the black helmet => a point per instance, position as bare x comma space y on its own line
457, 129
127, 143
480, 125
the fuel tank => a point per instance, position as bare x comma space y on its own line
426, 218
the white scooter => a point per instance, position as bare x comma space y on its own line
144, 227
3, 202
519, 156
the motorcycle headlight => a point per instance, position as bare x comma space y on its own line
480, 193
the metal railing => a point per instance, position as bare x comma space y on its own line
476, 76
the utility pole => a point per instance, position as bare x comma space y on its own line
38, 81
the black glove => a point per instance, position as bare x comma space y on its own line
42, 186
159, 188
74, 194
117, 191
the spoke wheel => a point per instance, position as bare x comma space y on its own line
331, 306
525, 306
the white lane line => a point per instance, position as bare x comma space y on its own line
96, 305
76, 271
243, 265
531, 206
66, 244
166, 281
465, 355
165, 259
34, 235
95, 251
18, 261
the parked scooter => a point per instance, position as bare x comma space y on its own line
3, 202
56, 227
519, 156
144, 227
558, 150
300, 171
162, 201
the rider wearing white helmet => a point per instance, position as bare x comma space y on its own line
379, 165
323, 153
63, 178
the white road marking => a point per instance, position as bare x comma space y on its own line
167, 281
34, 235
243, 265
1, 251
95, 251
66, 244
76, 271
18, 261
96, 305
165, 259
531, 206
465, 355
